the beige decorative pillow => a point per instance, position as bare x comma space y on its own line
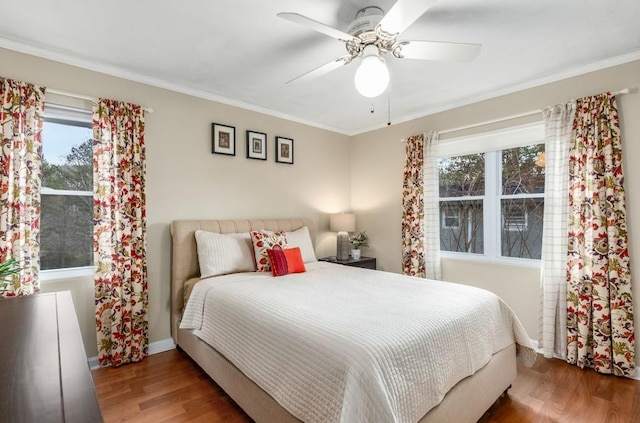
262, 241
220, 254
302, 239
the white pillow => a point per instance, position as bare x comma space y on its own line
220, 254
301, 238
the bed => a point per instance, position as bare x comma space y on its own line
466, 401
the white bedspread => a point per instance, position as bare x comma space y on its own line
342, 344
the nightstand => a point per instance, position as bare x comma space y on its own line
365, 262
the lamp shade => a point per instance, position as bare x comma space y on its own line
342, 222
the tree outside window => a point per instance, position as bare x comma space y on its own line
66, 222
462, 189
522, 201
498, 189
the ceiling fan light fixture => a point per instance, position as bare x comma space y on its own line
372, 76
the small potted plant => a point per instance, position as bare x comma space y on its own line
357, 242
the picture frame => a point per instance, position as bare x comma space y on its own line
284, 150
256, 145
223, 139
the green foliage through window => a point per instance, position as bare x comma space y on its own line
66, 222
502, 190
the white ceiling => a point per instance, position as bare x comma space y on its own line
238, 52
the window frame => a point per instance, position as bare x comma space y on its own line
73, 116
491, 143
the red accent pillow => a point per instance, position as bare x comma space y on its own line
294, 260
278, 261
285, 261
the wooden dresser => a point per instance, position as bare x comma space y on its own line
44, 375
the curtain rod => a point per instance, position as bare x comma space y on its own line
503, 119
83, 97
489, 122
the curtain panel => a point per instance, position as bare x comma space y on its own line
120, 232
599, 303
431, 207
553, 293
413, 252
421, 208
21, 119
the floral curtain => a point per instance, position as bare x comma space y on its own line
599, 304
21, 117
413, 253
558, 126
120, 232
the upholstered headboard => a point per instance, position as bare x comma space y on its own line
184, 256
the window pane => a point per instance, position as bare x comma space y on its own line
66, 221
461, 227
523, 170
67, 157
66, 229
461, 176
522, 227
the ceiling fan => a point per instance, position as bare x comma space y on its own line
373, 34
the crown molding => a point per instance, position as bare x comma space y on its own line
510, 89
92, 65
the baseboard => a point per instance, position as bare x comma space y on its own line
154, 348
161, 346
93, 363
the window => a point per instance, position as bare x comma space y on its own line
461, 191
66, 221
492, 201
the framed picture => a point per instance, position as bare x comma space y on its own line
256, 145
284, 150
223, 139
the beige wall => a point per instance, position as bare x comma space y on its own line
376, 179
184, 180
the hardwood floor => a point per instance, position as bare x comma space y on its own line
169, 387
165, 387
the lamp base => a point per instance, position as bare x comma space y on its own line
343, 247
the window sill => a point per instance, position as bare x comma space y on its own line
481, 258
64, 274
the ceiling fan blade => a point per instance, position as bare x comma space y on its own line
324, 69
435, 50
403, 14
315, 25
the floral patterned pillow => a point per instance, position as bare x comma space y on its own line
263, 241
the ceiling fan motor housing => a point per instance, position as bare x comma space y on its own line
366, 31
366, 20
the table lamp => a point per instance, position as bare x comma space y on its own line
342, 223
